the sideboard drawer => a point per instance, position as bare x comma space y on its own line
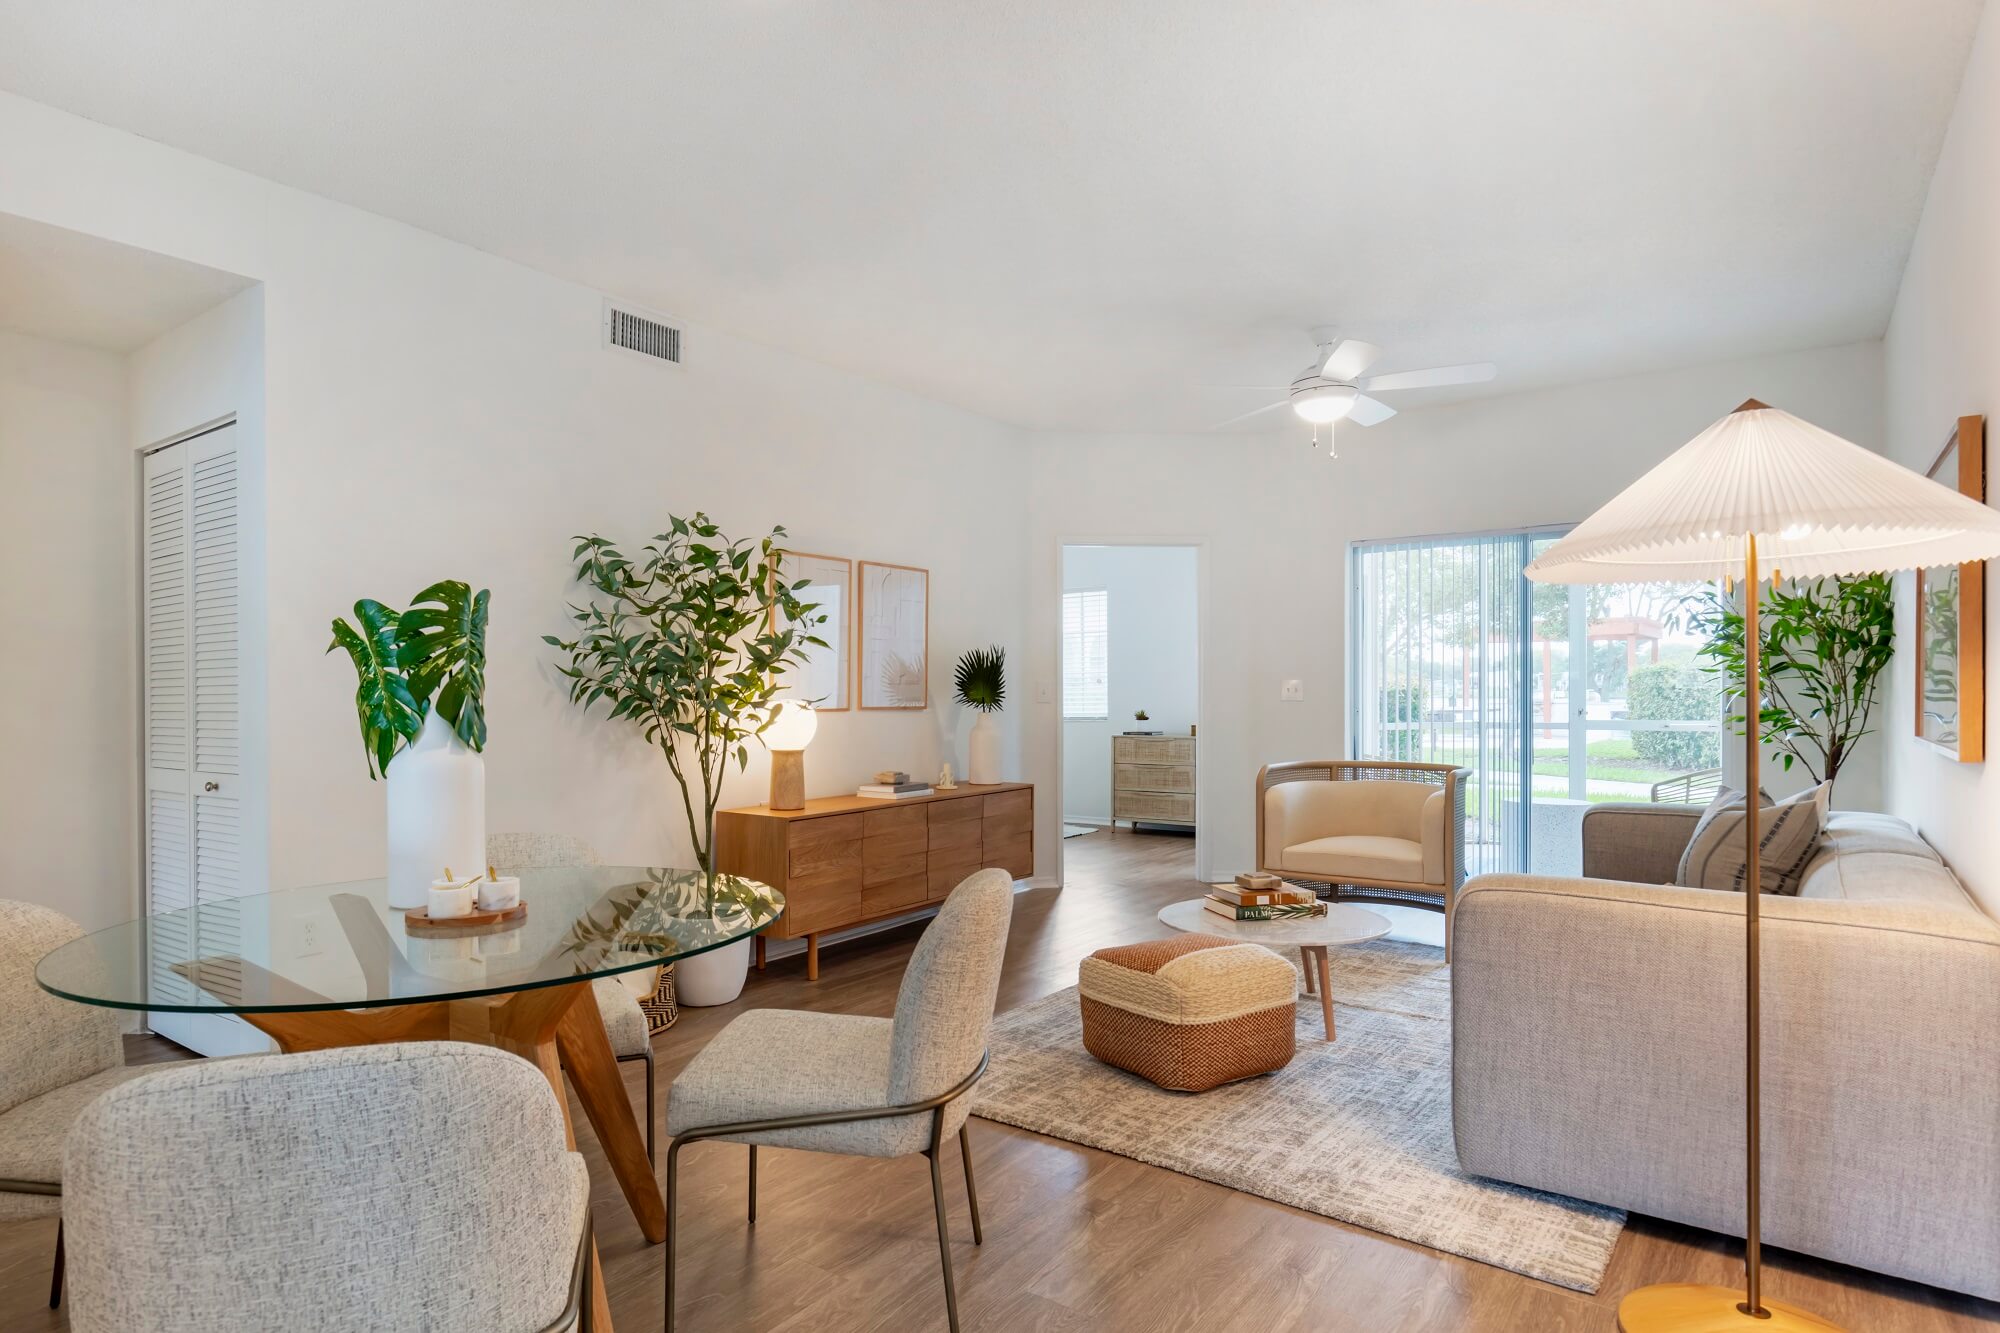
954, 828
1153, 777
822, 902
1014, 854
911, 890
946, 875
1012, 811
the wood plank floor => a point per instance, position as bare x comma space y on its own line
1075, 1238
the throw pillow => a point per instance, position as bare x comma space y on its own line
1788, 834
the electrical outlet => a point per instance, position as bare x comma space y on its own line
1292, 691
307, 943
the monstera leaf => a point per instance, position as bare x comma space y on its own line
390, 713
441, 647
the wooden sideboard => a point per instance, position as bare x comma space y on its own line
1152, 780
846, 860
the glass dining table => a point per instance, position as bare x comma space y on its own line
335, 965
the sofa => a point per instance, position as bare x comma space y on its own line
1367, 830
1597, 1045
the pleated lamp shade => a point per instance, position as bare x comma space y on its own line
1817, 505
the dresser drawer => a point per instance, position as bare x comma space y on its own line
1153, 777
821, 902
1008, 813
892, 895
946, 875
954, 827
1014, 854
894, 844
1166, 808
818, 843
1152, 749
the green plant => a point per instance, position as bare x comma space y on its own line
436, 650
1671, 692
1142, 716
981, 678
685, 642
1823, 647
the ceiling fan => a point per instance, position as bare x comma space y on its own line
1332, 388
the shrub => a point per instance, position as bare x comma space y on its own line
1670, 692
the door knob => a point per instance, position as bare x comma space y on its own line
211, 786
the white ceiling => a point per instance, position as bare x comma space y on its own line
1077, 214
72, 288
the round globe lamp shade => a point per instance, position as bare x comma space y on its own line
793, 725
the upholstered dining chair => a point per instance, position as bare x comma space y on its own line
413, 1186
869, 1087
56, 1057
618, 997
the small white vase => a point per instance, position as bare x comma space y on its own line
982, 752
437, 813
712, 978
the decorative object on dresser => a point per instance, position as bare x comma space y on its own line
893, 620
850, 860
1152, 779
1757, 492
1371, 831
1189, 1013
981, 685
691, 642
792, 725
421, 701
824, 585
1951, 618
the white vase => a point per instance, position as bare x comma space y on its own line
437, 813
712, 978
982, 752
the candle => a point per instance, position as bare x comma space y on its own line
497, 893
450, 898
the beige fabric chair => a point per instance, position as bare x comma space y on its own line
872, 1087
56, 1057
617, 996
1371, 831
335, 1190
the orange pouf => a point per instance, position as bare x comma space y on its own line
1191, 1012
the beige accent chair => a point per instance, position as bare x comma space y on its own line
360, 1188
1372, 831
869, 1087
1597, 1044
617, 996
56, 1057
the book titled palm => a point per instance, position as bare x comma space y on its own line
1264, 911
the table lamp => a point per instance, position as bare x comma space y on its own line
1760, 492
793, 725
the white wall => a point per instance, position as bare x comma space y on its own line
1152, 619
68, 736
1942, 355
432, 411
1278, 518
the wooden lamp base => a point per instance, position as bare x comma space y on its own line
788, 779
1686, 1307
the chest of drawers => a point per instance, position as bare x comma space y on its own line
1152, 779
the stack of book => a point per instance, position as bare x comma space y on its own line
893, 791
1278, 903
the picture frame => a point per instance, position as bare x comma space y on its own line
892, 618
1951, 619
827, 673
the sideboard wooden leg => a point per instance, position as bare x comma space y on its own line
812, 958
760, 953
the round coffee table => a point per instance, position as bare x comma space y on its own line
1312, 936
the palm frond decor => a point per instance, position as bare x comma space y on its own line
981, 679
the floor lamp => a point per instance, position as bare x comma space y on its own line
1760, 492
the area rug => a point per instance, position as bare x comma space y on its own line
1358, 1129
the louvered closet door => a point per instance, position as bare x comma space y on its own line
194, 824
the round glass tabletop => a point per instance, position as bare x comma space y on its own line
341, 946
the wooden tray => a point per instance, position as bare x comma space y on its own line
417, 921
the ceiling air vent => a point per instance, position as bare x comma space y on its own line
642, 332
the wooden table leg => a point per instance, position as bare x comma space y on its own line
812, 958
760, 953
1325, 990
593, 1072
1306, 962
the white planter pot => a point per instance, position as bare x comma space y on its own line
982, 759
437, 813
712, 978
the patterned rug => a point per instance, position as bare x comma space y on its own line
1358, 1130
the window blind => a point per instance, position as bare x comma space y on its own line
1086, 652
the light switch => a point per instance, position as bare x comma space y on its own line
1043, 694
1292, 691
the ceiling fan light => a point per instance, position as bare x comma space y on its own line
1326, 403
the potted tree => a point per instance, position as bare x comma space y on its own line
689, 640
421, 702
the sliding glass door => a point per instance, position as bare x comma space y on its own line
1554, 697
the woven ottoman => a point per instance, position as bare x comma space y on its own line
1191, 1012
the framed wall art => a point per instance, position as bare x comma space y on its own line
893, 628
1951, 619
825, 675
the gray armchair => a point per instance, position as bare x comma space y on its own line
56, 1057
870, 1087
415, 1186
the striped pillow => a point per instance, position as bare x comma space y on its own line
1788, 834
